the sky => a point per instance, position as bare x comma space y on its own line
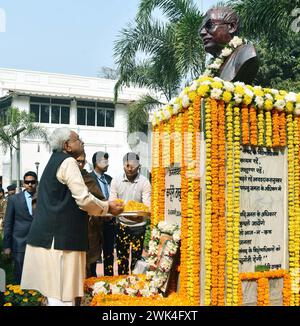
64, 36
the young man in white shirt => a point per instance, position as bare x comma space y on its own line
130, 186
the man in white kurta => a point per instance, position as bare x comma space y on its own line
59, 274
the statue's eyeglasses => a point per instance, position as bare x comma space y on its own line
210, 25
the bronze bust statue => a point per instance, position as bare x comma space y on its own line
219, 26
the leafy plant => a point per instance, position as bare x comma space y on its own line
15, 296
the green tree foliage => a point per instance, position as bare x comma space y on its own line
160, 54
279, 67
14, 120
272, 26
268, 19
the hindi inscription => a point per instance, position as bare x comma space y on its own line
173, 195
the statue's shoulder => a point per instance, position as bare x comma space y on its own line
242, 65
244, 53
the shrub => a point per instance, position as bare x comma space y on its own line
15, 296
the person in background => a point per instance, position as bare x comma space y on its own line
130, 186
3, 204
17, 222
11, 190
95, 225
55, 257
100, 163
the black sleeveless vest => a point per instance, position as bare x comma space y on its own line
57, 214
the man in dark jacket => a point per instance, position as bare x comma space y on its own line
17, 222
103, 180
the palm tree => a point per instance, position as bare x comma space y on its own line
17, 121
160, 54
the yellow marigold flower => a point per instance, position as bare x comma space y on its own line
258, 92
268, 105
186, 90
25, 300
227, 96
21, 292
217, 84
239, 90
8, 304
289, 107
202, 90
279, 97
204, 78
282, 92
247, 99
170, 109
192, 95
6, 293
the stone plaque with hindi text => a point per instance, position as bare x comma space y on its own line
263, 217
173, 195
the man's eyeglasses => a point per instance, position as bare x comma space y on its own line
74, 140
210, 25
81, 161
27, 182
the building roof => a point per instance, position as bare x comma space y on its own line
33, 83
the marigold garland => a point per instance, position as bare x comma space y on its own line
196, 225
208, 204
178, 139
215, 203
261, 128
296, 207
122, 300
268, 133
253, 126
155, 174
260, 120
184, 275
230, 205
236, 205
282, 128
190, 203
291, 201
276, 126
172, 138
245, 125
263, 291
221, 197
166, 144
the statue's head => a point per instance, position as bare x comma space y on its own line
219, 26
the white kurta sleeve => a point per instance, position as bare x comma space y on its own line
69, 174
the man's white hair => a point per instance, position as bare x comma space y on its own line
58, 138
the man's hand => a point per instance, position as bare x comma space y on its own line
6, 253
115, 208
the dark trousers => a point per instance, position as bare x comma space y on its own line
18, 258
109, 235
91, 270
126, 236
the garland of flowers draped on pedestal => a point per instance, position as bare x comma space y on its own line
235, 114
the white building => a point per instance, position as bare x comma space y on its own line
85, 104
